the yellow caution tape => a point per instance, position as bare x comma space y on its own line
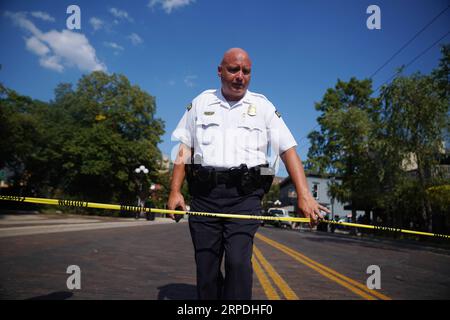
84, 204
391, 229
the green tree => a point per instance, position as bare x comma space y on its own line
86, 143
415, 114
440, 197
441, 75
344, 145
111, 130
23, 141
371, 143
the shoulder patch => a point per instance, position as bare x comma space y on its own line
189, 107
278, 113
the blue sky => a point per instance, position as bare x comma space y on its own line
171, 48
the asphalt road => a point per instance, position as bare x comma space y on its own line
128, 259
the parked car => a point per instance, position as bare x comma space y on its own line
278, 212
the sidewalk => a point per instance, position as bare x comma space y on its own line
28, 224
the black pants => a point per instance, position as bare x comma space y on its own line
214, 237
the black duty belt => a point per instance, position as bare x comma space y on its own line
224, 177
202, 179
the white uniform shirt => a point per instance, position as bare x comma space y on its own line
226, 136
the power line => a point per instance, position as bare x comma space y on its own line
395, 74
393, 56
406, 66
414, 59
409, 41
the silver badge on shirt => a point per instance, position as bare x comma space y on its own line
251, 111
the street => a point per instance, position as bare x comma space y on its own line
129, 259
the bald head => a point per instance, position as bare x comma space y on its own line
235, 54
235, 73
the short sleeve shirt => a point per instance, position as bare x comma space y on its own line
225, 135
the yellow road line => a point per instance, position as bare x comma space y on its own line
331, 274
269, 290
277, 279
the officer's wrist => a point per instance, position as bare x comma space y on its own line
175, 187
302, 193
175, 191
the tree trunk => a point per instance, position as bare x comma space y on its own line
426, 206
353, 230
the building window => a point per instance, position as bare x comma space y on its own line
315, 191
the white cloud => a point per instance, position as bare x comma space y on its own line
43, 15
47, 61
51, 62
58, 49
20, 19
189, 80
117, 48
121, 14
96, 23
74, 48
169, 5
36, 46
113, 45
135, 39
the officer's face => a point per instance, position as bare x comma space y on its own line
235, 73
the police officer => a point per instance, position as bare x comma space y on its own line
225, 136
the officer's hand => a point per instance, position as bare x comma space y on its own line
175, 202
311, 209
